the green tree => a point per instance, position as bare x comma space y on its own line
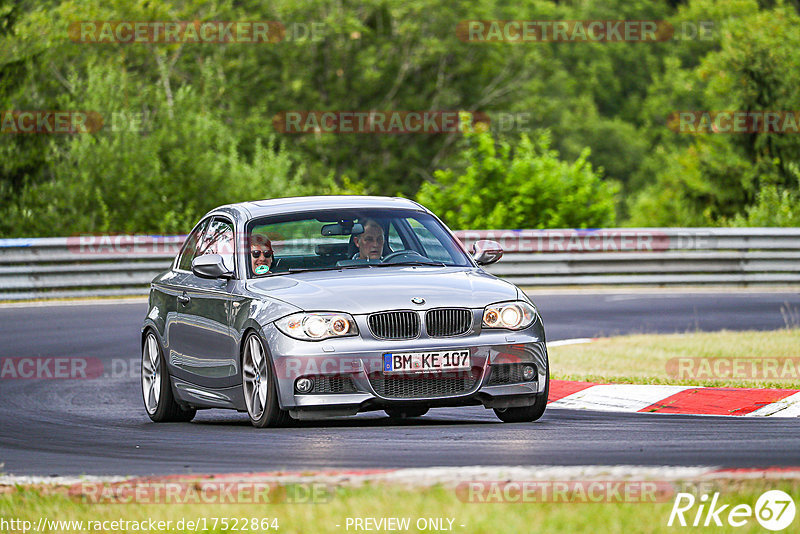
521, 186
158, 174
752, 64
207, 135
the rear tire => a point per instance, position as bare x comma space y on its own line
259, 386
526, 414
159, 403
407, 412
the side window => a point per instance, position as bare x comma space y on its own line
218, 239
189, 250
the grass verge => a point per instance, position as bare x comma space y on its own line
384, 501
752, 359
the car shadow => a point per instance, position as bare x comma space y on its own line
359, 421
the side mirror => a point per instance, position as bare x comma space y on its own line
486, 252
211, 266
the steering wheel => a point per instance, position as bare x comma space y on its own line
404, 254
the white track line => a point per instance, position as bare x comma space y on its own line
574, 341
88, 302
788, 407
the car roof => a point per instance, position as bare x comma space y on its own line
281, 206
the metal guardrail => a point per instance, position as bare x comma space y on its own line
646, 256
90, 266
124, 265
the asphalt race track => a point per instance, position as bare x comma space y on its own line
99, 426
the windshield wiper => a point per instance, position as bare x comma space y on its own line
358, 266
308, 269
426, 263
294, 270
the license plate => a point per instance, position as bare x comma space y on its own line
426, 361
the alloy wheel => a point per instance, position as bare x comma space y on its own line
255, 378
151, 374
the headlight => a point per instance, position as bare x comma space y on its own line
317, 325
511, 315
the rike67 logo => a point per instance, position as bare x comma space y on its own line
774, 510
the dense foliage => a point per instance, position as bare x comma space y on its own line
190, 126
527, 187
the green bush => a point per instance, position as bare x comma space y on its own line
156, 175
524, 186
774, 205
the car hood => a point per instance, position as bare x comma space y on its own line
367, 290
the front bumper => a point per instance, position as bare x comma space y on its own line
354, 365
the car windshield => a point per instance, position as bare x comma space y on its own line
349, 239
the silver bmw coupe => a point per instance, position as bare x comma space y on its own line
314, 307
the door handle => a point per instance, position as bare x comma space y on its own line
184, 299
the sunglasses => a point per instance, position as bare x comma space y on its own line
258, 253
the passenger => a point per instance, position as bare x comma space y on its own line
261, 255
370, 242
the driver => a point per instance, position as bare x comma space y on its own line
261, 255
370, 242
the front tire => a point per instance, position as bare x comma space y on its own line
259, 386
156, 388
526, 414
